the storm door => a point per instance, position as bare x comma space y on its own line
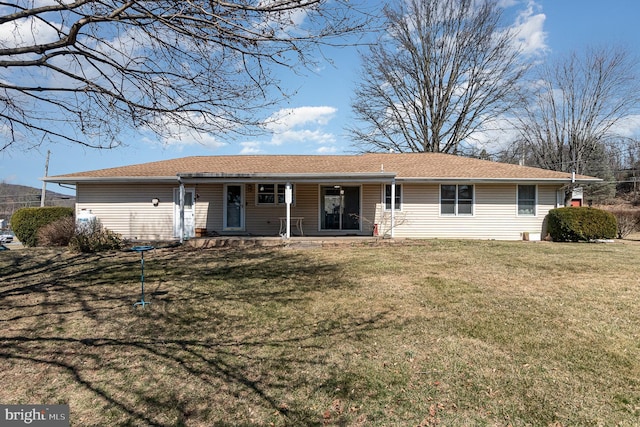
340, 208
233, 207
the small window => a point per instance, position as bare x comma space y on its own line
266, 194
527, 200
271, 194
456, 199
387, 197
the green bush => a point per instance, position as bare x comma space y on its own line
26, 222
93, 237
573, 224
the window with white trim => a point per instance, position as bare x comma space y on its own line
387, 197
272, 194
527, 200
456, 199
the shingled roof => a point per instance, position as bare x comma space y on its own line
401, 166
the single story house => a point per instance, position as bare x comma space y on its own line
404, 195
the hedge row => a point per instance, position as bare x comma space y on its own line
573, 224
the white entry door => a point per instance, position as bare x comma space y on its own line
189, 212
233, 207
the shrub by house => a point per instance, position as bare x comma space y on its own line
575, 224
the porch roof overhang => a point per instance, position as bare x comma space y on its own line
203, 178
355, 177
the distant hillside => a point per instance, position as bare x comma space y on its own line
14, 197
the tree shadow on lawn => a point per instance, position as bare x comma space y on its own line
226, 340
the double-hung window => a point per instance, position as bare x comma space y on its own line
271, 194
527, 200
456, 199
387, 197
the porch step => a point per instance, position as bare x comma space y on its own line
233, 242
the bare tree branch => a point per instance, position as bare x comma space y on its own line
442, 70
86, 71
576, 105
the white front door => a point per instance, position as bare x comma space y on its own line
189, 212
233, 207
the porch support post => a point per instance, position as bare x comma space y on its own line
288, 199
393, 207
181, 191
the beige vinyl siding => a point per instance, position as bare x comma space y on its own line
307, 207
209, 205
372, 203
495, 214
127, 209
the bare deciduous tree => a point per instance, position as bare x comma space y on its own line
576, 106
86, 70
443, 70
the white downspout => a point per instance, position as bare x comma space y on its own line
393, 207
181, 191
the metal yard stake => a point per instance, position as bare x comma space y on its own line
142, 250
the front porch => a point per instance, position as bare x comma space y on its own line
205, 208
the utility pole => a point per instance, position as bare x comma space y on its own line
44, 183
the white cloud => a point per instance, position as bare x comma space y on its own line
327, 150
628, 127
301, 136
285, 22
529, 27
289, 118
250, 147
184, 135
301, 125
27, 32
186, 139
494, 135
194, 138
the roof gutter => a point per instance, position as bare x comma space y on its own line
567, 180
307, 178
298, 177
108, 179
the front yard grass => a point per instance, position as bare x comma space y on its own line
414, 334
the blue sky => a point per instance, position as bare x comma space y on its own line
314, 119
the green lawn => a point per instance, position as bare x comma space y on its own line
413, 334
